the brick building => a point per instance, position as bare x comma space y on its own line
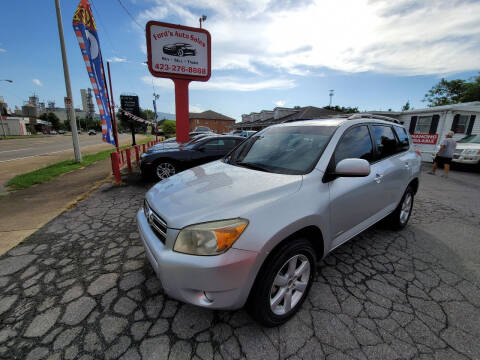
216, 122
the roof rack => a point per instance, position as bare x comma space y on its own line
373, 116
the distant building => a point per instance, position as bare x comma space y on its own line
218, 123
258, 121
87, 102
15, 126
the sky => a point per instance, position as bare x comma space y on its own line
375, 54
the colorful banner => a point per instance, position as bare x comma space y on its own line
86, 32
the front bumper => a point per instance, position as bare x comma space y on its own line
217, 282
466, 159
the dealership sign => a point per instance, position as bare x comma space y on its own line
180, 53
429, 139
176, 51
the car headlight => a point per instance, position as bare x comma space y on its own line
212, 238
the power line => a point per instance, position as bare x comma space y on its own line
129, 14
104, 28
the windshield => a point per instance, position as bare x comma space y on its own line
283, 150
471, 139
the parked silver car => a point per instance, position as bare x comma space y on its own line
249, 229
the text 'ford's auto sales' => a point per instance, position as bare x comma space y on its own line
179, 34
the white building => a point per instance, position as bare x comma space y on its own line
14, 126
428, 127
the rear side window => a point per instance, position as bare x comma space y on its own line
385, 141
404, 143
355, 143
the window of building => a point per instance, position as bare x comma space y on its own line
461, 124
423, 125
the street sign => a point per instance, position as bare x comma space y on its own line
178, 52
130, 103
183, 54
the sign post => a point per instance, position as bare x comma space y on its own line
183, 54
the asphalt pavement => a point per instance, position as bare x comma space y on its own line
16, 149
81, 287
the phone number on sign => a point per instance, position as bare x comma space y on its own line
181, 69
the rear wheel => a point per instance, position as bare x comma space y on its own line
164, 170
399, 218
283, 283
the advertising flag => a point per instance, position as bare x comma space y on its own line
86, 32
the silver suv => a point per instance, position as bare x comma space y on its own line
249, 229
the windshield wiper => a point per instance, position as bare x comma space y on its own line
251, 166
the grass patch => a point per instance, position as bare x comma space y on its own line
50, 172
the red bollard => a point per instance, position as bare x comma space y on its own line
137, 154
129, 160
116, 166
144, 149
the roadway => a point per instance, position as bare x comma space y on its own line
16, 149
18, 156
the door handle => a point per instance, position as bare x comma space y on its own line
378, 178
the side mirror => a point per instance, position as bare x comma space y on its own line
352, 168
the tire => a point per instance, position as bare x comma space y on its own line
399, 218
268, 300
163, 170
180, 52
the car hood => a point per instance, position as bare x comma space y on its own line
217, 191
463, 146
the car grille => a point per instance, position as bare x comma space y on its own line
157, 224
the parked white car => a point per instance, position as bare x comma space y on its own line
468, 150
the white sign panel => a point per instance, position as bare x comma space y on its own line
178, 50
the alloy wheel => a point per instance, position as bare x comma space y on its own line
290, 285
165, 170
406, 208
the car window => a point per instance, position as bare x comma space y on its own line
355, 143
385, 141
284, 150
403, 142
214, 144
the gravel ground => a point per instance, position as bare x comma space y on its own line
81, 287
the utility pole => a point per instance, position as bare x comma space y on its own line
202, 19
70, 109
155, 98
331, 96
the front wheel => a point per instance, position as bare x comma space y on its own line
164, 170
399, 218
283, 283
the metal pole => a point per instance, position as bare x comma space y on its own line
114, 119
71, 110
4, 132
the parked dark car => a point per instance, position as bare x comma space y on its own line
164, 163
179, 49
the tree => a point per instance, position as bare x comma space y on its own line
453, 91
51, 117
406, 106
147, 114
169, 127
342, 109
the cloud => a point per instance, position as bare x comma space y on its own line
117, 59
301, 38
196, 108
280, 103
2, 50
228, 83
37, 82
